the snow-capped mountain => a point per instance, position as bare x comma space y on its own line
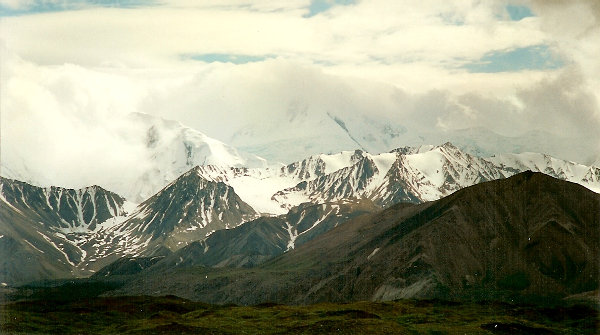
166, 149
320, 165
349, 182
171, 150
42, 229
431, 175
417, 175
191, 205
88, 228
258, 185
188, 209
303, 129
67, 210
298, 133
163, 150
588, 176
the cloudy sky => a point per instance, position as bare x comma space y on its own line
71, 69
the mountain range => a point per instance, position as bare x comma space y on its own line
165, 149
80, 231
204, 205
512, 239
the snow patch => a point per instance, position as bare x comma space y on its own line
337, 161
33, 246
373, 253
293, 236
57, 248
3, 198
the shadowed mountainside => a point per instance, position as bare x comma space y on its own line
523, 237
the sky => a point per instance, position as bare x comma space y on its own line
70, 70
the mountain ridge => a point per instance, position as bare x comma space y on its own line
42, 229
204, 199
542, 232
166, 149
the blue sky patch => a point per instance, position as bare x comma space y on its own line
40, 6
226, 58
320, 6
537, 57
518, 13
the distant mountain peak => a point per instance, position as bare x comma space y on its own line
449, 146
189, 208
63, 208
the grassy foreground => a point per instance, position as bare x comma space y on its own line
172, 315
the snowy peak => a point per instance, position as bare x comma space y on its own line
406, 174
407, 150
510, 164
430, 175
171, 149
189, 147
349, 182
256, 186
188, 209
458, 169
320, 165
66, 209
190, 205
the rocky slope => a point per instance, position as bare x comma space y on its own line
259, 240
188, 209
94, 227
527, 236
42, 229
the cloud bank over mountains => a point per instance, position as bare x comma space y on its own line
72, 71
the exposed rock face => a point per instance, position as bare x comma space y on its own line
528, 235
89, 228
187, 210
264, 238
61, 207
41, 228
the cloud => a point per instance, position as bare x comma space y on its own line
402, 33
63, 132
69, 76
563, 106
67, 123
575, 30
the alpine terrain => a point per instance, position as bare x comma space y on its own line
527, 236
278, 207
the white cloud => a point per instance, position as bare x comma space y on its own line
61, 123
575, 30
393, 32
17, 4
68, 76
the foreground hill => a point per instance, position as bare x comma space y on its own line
523, 237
